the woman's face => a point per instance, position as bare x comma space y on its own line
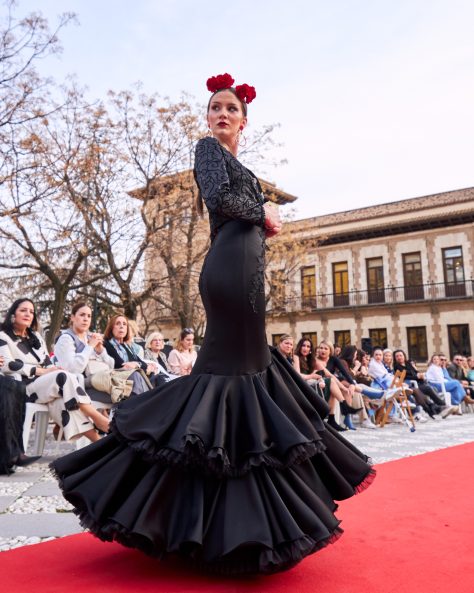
378, 355
188, 341
286, 346
323, 351
400, 358
387, 358
24, 315
81, 320
156, 345
366, 360
225, 117
470, 362
305, 348
435, 360
120, 328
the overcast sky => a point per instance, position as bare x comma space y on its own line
375, 97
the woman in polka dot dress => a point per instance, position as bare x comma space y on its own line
25, 357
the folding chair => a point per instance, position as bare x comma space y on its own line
400, 402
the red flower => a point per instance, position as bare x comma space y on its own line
245, 92
219, 82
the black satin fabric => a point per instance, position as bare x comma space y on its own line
12, 415
230, 467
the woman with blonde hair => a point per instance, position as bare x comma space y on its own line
183, 356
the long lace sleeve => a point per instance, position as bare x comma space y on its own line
213, 180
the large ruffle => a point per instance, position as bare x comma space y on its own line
235, 473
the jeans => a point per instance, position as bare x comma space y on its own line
455, 389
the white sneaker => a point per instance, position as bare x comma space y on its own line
395, 420
448, 410
367, 424
419, 418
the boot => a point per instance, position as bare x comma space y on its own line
347, 409
348, 422
332, 422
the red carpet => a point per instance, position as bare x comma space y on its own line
412, 531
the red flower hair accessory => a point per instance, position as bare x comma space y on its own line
219, 82
245, 92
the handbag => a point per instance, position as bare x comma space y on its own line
115, 382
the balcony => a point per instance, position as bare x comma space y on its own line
370, 298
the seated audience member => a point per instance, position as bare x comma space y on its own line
470, 372
12, 415
26, 356
183, 356
154, 353
81, 352
378, 371
117, 338
422, 392
388, 360
436, 377
352, 366
304, 361
286, 347
362, 373
457, 370
326, 364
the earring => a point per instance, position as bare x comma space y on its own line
12, 319
241, 140
209, 133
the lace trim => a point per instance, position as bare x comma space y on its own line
215, 461
257, 282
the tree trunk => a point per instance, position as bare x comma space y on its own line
60, 294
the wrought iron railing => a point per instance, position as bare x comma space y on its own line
366, 298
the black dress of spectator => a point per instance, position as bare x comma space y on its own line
420, 393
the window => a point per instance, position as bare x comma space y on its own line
459, 340
308, 287
313, 336
412, 276
277, 290
378, 337
276, 339
342, 338
340, 282
417, 347
375, 285
454, 271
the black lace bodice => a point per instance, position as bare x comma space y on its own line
229, 189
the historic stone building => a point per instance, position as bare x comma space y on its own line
399, 274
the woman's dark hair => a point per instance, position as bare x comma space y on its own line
361, 354
75, 308
308, 361
234, 92
347, 354
405, 359
7, 325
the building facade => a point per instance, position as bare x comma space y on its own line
394, 275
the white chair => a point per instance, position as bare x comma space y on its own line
42, 418
445, 394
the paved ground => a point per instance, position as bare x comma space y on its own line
33, 510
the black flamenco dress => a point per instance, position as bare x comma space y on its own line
230, 467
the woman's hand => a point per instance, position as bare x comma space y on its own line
151, 367
96, 341
273, 224
44, 371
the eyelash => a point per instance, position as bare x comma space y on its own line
216, 107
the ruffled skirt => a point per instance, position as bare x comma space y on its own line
235, 473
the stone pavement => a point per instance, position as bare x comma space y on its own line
33, 510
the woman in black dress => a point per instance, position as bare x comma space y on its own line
230, 467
